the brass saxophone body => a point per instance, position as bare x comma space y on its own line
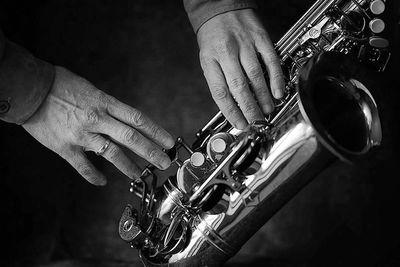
230, 182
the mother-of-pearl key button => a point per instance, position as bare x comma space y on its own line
377, 7
377, 25
378, 42
197, 159
218, 145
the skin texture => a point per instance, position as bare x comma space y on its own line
230, 47
77, 117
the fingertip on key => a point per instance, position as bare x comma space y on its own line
278, 94
165, 165
165, 162
169, 142
135, 175
268, 108
240, 125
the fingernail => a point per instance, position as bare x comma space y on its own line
135, 175
165, 163
240, 125
278, 94
268, 108
169, 142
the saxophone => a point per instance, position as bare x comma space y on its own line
228, 183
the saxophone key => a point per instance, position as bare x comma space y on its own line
377, 25
377, 7
218, 146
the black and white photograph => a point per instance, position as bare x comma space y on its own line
200, 133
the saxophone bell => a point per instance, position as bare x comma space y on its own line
339, 106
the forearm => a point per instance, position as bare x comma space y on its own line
200, 11
24, 82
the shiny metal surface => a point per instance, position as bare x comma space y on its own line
231, 182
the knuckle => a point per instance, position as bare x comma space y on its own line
103, 99
219, 92
92, 116
154, 154
237, 84
137, 118
113, 153
255, 73
224, 47
131, 137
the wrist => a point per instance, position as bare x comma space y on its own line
200, 12
24, 81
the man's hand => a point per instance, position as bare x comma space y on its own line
77, 117
229, 44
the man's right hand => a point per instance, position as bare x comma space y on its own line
77, 117
229, 44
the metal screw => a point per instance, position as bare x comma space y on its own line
147, 243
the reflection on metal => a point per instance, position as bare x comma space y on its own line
230, 182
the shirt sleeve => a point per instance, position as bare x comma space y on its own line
199, 11
24, 82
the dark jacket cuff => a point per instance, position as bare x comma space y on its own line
24, 82
200, 11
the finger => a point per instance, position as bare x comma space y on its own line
141, 122
80, 162
238, 85
135, 141
255, 74
272, 64
220, 93
113, 154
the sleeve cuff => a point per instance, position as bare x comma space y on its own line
24, 83
200, 11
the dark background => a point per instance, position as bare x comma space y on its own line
145, 54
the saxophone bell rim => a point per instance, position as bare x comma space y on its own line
339, 70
